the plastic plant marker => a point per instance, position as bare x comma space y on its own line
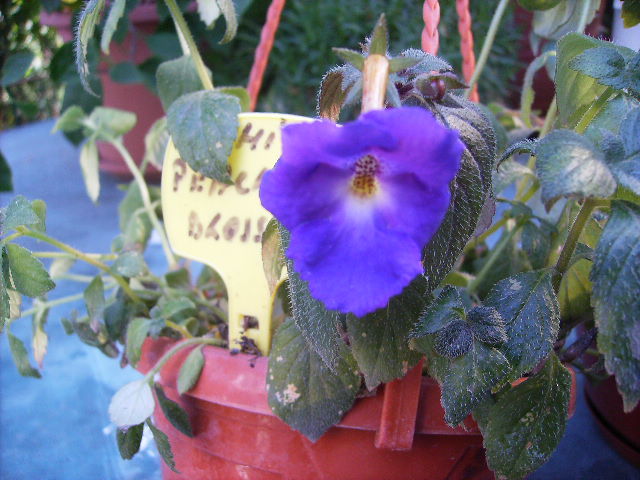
221, 225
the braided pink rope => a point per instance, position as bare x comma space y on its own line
430, 35
466, 45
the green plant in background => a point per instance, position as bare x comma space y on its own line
484, 313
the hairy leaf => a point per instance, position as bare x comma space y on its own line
190, 370
136, 334
164, 447
89, 18
440, 313
115, 14
21, 357
176, 78
174, 412
19, 212
129, 440
29, 276
609, 67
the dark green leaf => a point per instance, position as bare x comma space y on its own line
204, 126
19, 213
608, 67
301, 389
164, 447
94, 299
164, 45
536, 242
523, 428
379, 340
129, 440
29, 276
568, 164
136, 334
6, 180
178, 279
487, 325
469, 380
440, 313
574, 293
89, 18
631, 13
171, 309
21, 357
115, 14
379, 42
521, 146
176, 78
397, 64
428, 63
129, 264
126, 73
453, 340
625, 165
350, 56
15, 67
272, 254
117, 314
190, 370
529, 307
173, 412
616, 301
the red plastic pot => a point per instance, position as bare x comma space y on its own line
134, 97
622, 430
238, 437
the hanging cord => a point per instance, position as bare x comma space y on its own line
466, 45
430, 35
261, 57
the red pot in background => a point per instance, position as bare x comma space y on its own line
238, 437
134, 97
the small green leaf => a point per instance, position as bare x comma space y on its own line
115, 14
174, 308
350, 56
39, 338
397, 64
272, 254
132, 404
129, 264
204, 127
631, 13
6, 180
94, 299
568, 164
487, 325
521, 146
126, 73
40, 208
241, 93
129, 440
609, 67
536, 242
89, 18
15, 67
228, 10
179, 279
379, 42
136, 335
109, 124
440, 313
190, 370
454, 340
19, 212
174, 412
133, 219
155, 143
71, 120
301, 389
89, 164
176, 78
21, 357
625, 164
527, 303
616, 301
164, 447
29, 276
523, 428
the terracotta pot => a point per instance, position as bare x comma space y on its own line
134, 97
238, 437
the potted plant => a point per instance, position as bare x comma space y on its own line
384, 227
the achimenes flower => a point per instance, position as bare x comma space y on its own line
361, 201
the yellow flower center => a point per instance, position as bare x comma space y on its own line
364, 183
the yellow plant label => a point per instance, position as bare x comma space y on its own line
221, 225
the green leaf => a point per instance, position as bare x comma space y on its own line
487, 325
174, 308
133, 219
117, 314
110, 124
94, 299
89, 160
272, 254
241, 93
625, 164
176, 78
132, 404
21, 357
469, 189
29, 276
115, 14
204, 127
89, 18
536, 242
538, 4
129, 440
6, 180
190, 370
616, 301
180, 279
379, 340
19, 213
350, 56
608, 67
230, 17
574, 294
164, 447
529, 307
397, 64
126, 73
155, 143
40, 208
454, 340
302, 391
631, 13
174, 412
39, 338
379, 42
15, 67
440, 313
528, 94
129, 264
523, 428
136, 334
469, 380
568, 164
564, 18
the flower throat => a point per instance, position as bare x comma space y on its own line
364, 183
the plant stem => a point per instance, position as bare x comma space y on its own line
595, 108
11, 237
52, 303
488, 44
179, 328
98, 256
81, 256
486, 234
564, 259
146, 200
176, 348
183, 28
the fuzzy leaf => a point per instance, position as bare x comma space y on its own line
129, 264
568, 164
440, 313
302, 391
129, 440
609, 67
111, 24
523, 428
136, 334
19, 212
487, 325
616, 301
110, 124
454, 340
332, 94
21, 357
241, 93
174, 412
379, 38
176, 78
89, 18
625, 163
529, 307
132, 404
204, 127
94, 299
29, 276
350, 56
536, 242
190, 370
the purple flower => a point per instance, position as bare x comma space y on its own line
361, 201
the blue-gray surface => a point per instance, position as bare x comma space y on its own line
57, 427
